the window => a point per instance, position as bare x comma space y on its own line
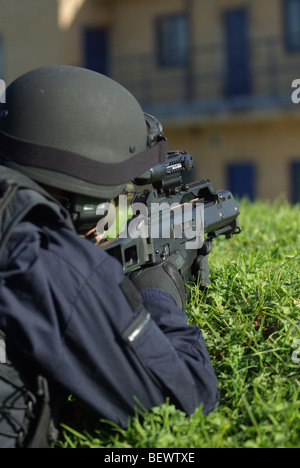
238, 69
96, 50
295, 178
172, 40
292, 25
241, 180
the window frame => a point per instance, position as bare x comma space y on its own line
289, 42
168, 58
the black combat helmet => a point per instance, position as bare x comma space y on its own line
77, 130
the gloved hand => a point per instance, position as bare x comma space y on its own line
202, 271
201, 267
164, 277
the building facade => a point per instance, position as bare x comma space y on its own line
221, 75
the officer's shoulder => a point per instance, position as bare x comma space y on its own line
76, 249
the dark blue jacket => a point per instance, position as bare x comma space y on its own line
63, 310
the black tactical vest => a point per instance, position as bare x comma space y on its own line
29, 405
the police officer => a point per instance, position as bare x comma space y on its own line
70, 137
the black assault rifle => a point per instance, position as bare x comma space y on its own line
178, 210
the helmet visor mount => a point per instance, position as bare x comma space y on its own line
155, 132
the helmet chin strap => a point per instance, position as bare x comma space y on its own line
83, 209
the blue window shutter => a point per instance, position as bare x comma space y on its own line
96, 50
238, 73
292, 25
241, 180
295, 179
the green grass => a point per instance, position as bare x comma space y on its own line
250, 317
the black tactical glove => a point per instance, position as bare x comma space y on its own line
164, 277
200, 267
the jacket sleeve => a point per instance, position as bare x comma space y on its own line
189, 345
